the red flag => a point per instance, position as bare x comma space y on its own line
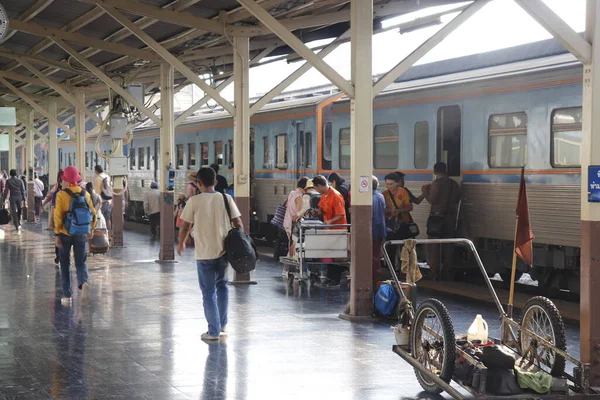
524, 234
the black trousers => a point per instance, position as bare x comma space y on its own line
154, 223
15, 210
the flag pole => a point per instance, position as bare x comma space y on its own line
511, 295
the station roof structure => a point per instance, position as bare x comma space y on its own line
37, 58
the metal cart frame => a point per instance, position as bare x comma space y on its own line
308, 230
509, 329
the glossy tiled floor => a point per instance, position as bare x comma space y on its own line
139, 338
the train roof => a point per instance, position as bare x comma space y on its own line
530, 57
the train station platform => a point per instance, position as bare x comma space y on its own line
139, 336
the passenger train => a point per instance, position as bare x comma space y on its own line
485, 115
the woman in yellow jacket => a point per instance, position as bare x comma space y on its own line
64, 241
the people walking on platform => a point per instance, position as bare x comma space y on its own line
293, 205
413, 199
443, 194
103, 188
192, 188
15, 192
50, 198
74, 220
339, 184
208, 214
97, 202
378, 229
332, 209
38, 192
152, 208
222, 185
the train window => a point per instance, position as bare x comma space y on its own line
149, 158
266, 152
191, 155
566, 137
385, 149
141, 158
92, 160
345, 149
179, 156
421, 144
308, 149
60, 158
327, 145
219, 152
281, 152
204, 151
508, 140
87, 160
70, 160
132, 158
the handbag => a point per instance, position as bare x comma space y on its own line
435, 222
279, 216
401, 229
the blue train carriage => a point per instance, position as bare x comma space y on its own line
487, 116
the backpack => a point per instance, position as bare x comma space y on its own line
78, 219
241, 252
107, 193
385, 299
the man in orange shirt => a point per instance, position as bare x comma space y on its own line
332, 202
332, 208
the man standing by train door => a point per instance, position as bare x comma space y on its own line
443, 194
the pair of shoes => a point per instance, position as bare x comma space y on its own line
207, 336
66, 301
85, 292
224, 330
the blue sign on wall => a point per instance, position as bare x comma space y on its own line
594, 184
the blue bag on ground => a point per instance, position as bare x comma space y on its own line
385, 299
78, 219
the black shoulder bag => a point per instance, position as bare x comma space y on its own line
400, 229
436, 222
241, 252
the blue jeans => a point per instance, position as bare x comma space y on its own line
78, 243
215, 295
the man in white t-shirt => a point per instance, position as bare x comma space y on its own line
211, 222
38, 193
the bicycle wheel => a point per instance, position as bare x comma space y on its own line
541, 317
433, 343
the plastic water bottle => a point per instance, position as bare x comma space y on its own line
478, 330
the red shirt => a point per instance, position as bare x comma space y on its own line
332, 205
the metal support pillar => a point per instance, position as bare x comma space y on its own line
80, 138
12, 149
52, 145
361, 285
29, 165
118, 215
241, 137
590, 212
167, 144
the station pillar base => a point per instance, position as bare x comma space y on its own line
167, 228
117, 221
361, 283
590, 299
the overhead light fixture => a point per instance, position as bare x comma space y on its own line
419, 23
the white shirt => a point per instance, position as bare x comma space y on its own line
152, 201
38, 187
211, 223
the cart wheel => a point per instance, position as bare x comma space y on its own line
541, 317
433, 343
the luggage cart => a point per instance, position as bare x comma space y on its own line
317, 241
537, 340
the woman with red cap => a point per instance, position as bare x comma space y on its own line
64, 241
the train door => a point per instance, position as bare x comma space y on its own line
156, 158
448, 138
301, 145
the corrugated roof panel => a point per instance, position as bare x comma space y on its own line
62, 12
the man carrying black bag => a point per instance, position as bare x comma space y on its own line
212, 215
443, 194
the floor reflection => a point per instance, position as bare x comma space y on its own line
215, 373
